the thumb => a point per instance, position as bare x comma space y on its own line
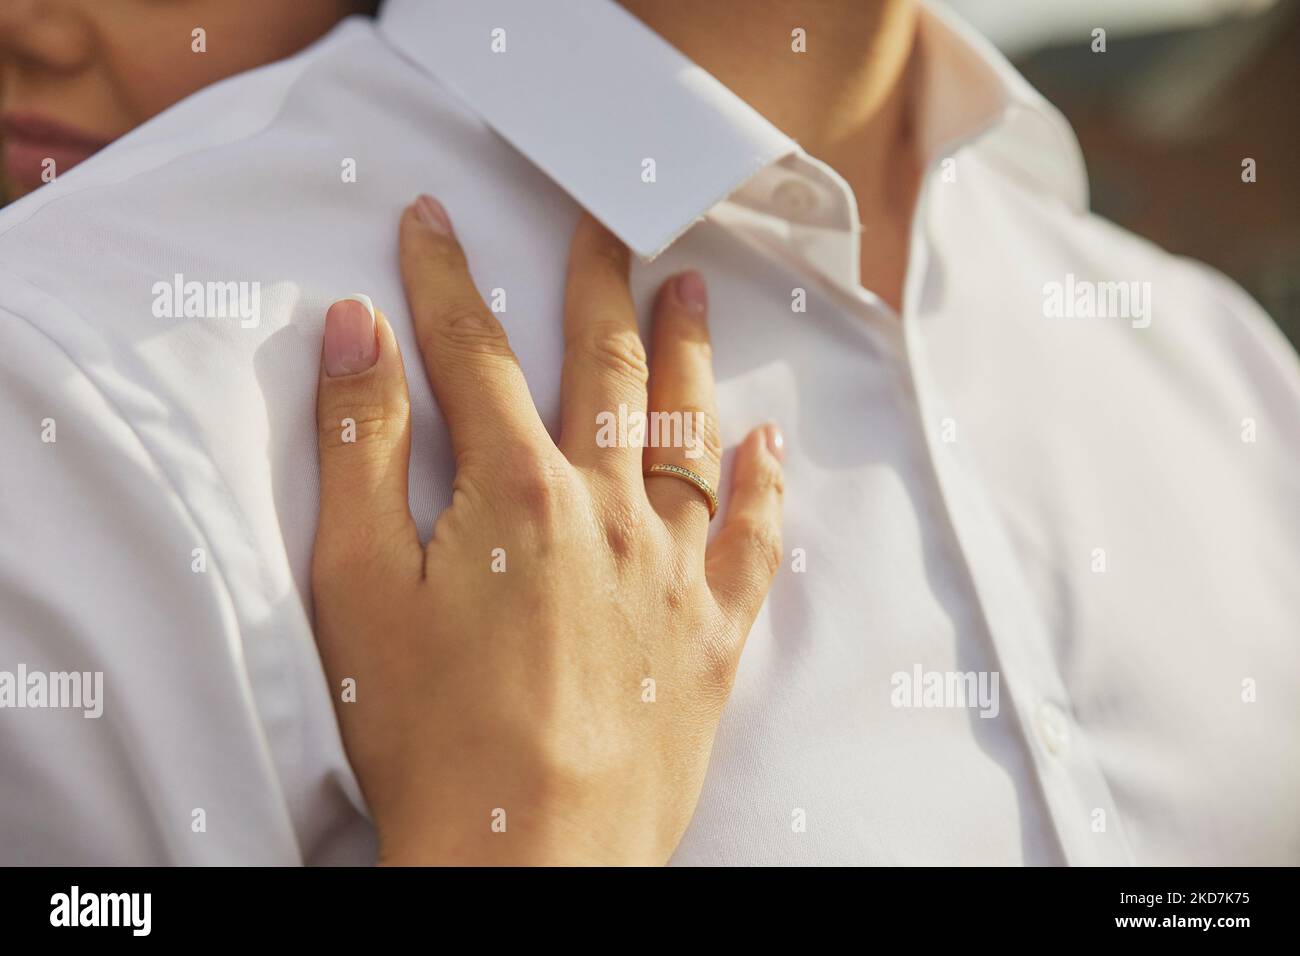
364, 435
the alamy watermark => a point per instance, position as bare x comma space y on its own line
54, 690
960, 689
636, 429
180, 299
1085, 299
129, 910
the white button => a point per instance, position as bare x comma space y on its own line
1053, 728
794, 198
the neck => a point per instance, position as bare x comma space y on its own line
844, 100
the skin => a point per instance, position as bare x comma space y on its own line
81, 63
103, 67
479, 690
522, 691
845, 100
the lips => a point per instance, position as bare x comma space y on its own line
30, 141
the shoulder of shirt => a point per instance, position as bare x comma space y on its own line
1214, 304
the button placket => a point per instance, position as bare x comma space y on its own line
1072, 780
1053, 728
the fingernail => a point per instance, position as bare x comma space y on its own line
775, 440
692, 292
432, 214
350, 342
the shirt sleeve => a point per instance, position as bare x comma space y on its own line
105, 574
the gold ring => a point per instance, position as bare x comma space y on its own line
677, 471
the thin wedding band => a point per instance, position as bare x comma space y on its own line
685, 474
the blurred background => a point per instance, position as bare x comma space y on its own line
1186, 90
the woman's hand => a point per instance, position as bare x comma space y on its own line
541, 683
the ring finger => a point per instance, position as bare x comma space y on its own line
682, 427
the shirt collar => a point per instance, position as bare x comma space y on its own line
635, 132
967, 91
649, 142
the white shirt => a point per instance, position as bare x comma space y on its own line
1099, 513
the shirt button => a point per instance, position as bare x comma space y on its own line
1053, 728
794, 198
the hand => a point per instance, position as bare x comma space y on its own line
542, 682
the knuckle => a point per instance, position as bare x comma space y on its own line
762, 542
562, 764
770, 481
617, 350
467, 327
717, 664
540, 486
681, 587
357, 425
624, 527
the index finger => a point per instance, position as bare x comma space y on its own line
473, 371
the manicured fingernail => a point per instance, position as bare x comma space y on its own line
692, 292
775, 440
432, 214
350, 342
